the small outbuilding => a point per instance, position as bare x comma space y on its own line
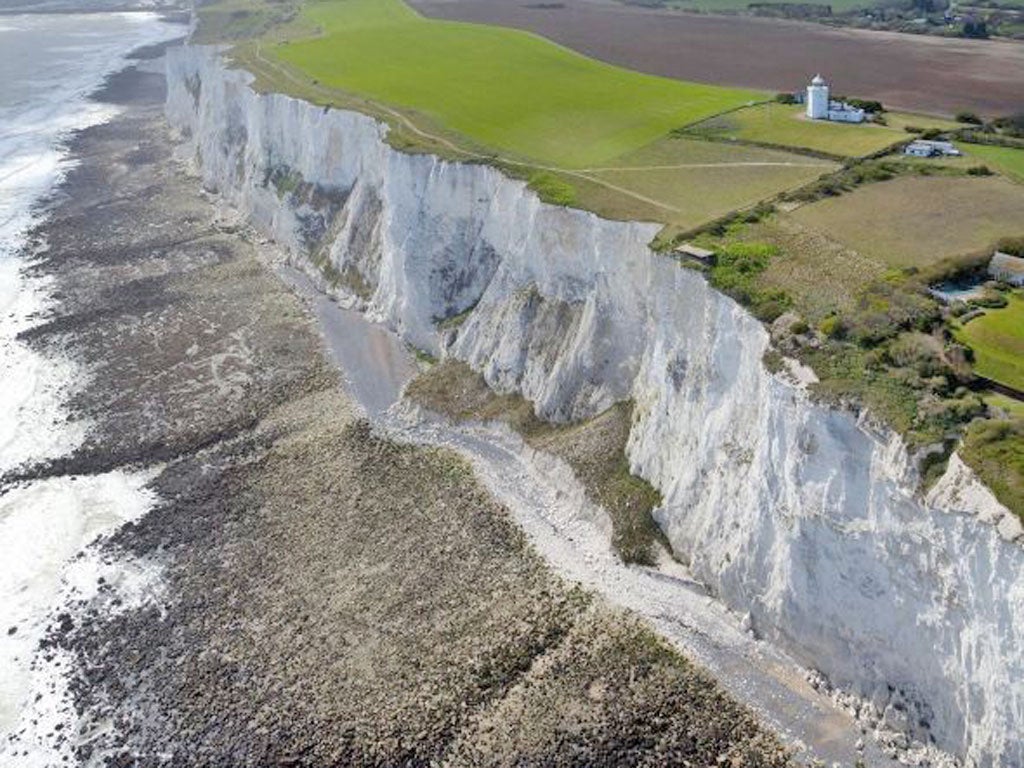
696, 253
1007, 268
926, 148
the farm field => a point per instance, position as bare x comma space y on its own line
728, 6
997, 338
905, 72
786, 125
916, 221
695, 181
553, 106
1006, 160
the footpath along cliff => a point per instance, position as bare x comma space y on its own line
804, 517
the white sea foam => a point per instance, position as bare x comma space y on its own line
132, 584
51, 64
43, 526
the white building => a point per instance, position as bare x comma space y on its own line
817, 99
925, 148
841, 112
821, 107
1009, 269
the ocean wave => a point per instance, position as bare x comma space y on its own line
44, 525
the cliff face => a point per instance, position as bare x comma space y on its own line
789, 511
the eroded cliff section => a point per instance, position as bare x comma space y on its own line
799, 515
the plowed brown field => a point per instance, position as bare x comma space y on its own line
910, 72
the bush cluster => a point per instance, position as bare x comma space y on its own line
1011, 245
736, 271
552, 189
964, 116
887, 307
1012, 125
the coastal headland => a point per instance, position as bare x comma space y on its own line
328, 597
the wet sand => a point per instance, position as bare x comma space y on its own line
327, 597
910, 72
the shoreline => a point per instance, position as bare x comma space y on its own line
44, 525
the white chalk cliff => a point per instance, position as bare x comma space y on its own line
788, 510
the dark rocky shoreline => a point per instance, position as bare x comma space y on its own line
331, 597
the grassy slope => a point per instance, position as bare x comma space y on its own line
821, 275
997, 338
785, 125
1006, 160
916, 221
502, 88
995, 450
695, 180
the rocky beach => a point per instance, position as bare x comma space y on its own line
304, 589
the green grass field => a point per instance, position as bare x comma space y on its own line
914, 221
695, 181
503, 89
1012, 408
997, 338
1006, 160
785, 125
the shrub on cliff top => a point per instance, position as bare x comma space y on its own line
995, 450
552, 189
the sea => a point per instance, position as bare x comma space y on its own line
49, 66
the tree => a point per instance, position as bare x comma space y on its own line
975, 28
964, 116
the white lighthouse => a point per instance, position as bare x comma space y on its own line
817, 99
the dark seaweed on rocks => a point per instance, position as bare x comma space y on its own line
331, 598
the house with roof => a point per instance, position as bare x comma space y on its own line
1007, 268
926, 148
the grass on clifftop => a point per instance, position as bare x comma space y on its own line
581, 133
503, 88
784, 125
995, 450
1007, 160
997, 338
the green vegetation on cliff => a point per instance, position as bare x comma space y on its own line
594, 450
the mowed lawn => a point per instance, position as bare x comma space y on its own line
508, 90
1006, 160
997, 338
787, 126
918, 220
